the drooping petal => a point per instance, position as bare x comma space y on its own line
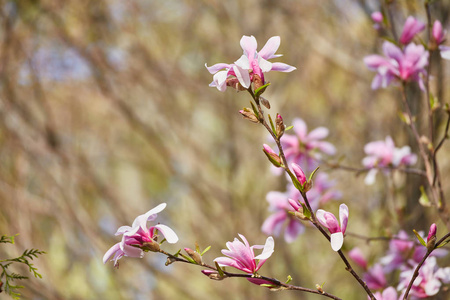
337, 240
343, 216
131, 251
168, 233
111, 252
269, 49
220, 80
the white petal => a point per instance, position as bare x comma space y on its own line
269, 49
243, 62
268, 249
168, 233
337, 240
370, 177
343, 216
122, 230
320, 215
265, 65
242, 75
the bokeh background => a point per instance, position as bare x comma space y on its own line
105, 112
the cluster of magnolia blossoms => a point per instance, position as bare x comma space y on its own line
250, 67
139, 238
407, 64
384, 154
404, 255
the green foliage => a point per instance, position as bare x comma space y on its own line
8, 277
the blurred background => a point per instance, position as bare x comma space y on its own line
105, 112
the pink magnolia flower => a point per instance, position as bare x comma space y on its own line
426, 284
357, 256
305, 148
406, 65
138, 236
411, 28
375, 278
242, 257
388, 294
337, 231
251, 63
280, 204
384, 154
377, 17
438, 33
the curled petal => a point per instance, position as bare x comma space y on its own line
337, 240
111, 252
268, 249
168, 233
220, 80
217, 67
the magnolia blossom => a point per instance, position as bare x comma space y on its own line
337, 230
406, 65
377, 17
357, 256
388, 294
384, 154
305, 148
438, 33
411, 28
251, 63
138, 236
242, 257
281, 204
375, 277
427, 283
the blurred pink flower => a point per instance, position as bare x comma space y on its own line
426, 284
280, 204
375, 278
388, 294
384, 154
337, 230
438, 33
357, 256
138, 235
411, 28
377, 17
305, 148
242, 257
406, 65
249, 64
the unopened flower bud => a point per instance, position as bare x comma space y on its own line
265, 102
249, 115
194, 255
438, 34
272, 156
299, 173
279, 126
214, 275
319, 288
151, 246
170, 260
431, 239
294, 203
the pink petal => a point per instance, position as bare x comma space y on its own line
318, 133
249, 44
343, 216
217, 67
392, 51
110, 252
300, 128
274, 223
268, 249
269, 49
293, 230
